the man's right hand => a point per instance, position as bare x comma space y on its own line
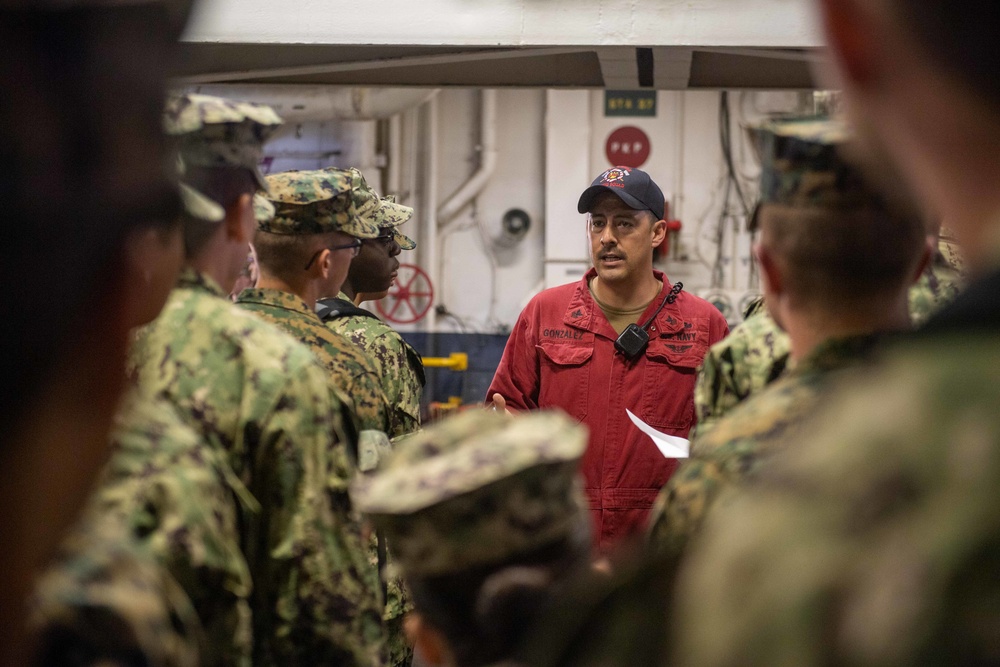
499, 403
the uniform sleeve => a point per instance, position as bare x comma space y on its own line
311, 570
400, 382
713, 382
517, 375
178, 496
369, 398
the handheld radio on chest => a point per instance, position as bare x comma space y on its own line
633, 341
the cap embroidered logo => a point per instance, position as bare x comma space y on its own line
615, 177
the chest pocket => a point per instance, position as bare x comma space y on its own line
564, 377
672, 361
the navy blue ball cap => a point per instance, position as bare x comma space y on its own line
632, 186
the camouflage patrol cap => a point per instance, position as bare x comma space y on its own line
802, 165
380, 212
198, 206
216, 132
478, 488
320, 201
263, 210
394, 216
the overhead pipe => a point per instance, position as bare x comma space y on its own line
429, 240
487, 164
393, 177
301, 103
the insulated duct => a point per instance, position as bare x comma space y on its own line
297, 103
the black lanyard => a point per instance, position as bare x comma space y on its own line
633, 341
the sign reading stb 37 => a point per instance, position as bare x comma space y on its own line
630, 103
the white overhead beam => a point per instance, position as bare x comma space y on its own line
521, 23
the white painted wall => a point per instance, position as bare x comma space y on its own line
551, 145
735, 23
482, 281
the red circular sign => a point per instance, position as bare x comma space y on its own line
627, 147
410, 297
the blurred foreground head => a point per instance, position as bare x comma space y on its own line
85, 170
484, 515
922, 90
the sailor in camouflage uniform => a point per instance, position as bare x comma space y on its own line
486, 518
875, 542
315, 231
399, 366
811, 201
274, 433
319, 221
113, 593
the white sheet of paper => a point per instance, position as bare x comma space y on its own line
670, 446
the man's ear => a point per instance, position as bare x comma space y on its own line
240, 221
852, 35
320, 270
427, 641
659, 232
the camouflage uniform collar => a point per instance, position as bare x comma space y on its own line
194, 279
278, 299
837, 353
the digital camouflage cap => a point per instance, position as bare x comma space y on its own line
321, 201
263, 210
216, 132
802, 165
478, 488
391, 214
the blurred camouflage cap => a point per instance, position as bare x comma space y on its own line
198, 206
319, 201
216, 132
802, 165
263, 210
478, 488
395, 216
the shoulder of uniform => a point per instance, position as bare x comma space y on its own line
252, 332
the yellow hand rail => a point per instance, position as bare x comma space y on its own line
456, 361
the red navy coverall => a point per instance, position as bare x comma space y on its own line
561, 354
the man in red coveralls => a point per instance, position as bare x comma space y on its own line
562, 352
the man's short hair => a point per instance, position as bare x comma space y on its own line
839, 260
959, 36
286, 255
